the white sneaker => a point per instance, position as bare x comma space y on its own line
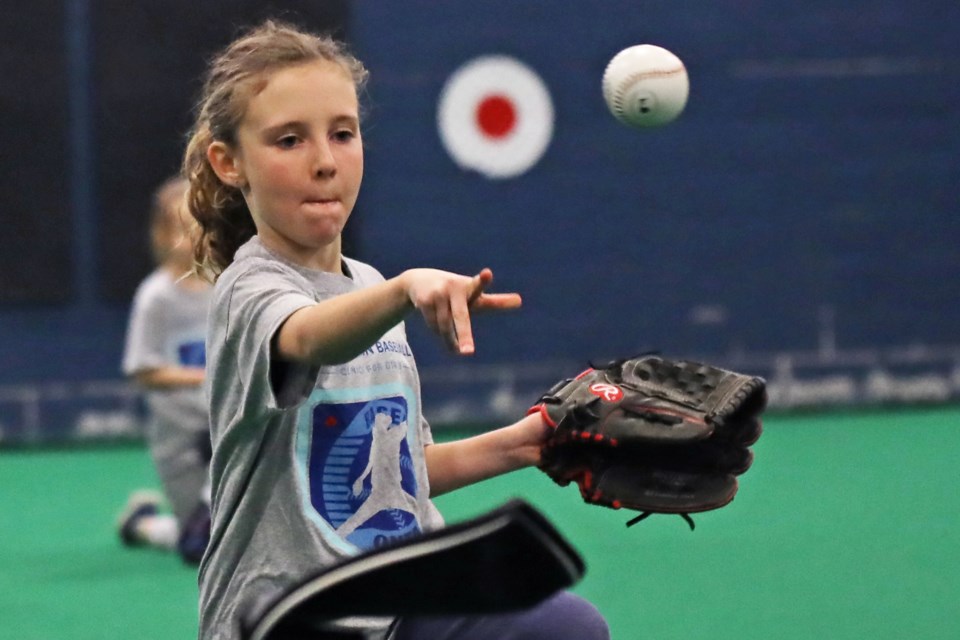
141, 503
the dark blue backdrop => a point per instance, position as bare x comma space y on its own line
816, 165
804, 206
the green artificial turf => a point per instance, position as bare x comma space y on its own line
845, 528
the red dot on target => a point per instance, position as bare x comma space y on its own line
496, 116
331, 421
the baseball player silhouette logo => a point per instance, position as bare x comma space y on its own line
361, 472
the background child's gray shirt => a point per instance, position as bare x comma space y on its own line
311, 465
168, 327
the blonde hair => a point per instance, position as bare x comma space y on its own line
219, 209
165, 216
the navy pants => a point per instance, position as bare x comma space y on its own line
564, 616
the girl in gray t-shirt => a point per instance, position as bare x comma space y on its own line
320, 447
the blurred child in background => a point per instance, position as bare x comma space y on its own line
165, 356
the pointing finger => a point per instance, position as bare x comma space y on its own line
463, 331
497, 302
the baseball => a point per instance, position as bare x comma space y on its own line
645, 86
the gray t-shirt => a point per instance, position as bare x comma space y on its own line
310, 466
168, 327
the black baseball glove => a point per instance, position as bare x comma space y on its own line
653, 435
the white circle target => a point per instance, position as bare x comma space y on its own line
495, 116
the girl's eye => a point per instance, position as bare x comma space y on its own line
344, 136
288, 141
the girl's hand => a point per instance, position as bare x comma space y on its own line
534, 434
446, 299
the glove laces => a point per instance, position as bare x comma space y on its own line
647, 514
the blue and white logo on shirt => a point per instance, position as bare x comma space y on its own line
192, 353
360, 471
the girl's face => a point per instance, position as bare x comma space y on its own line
299, 160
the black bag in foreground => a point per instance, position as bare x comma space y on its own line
507, 559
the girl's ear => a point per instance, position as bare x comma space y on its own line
225, 163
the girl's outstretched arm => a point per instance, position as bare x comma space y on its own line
452, 465
340, 328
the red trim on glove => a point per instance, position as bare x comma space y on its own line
542, 409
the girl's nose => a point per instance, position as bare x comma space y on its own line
324, 162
